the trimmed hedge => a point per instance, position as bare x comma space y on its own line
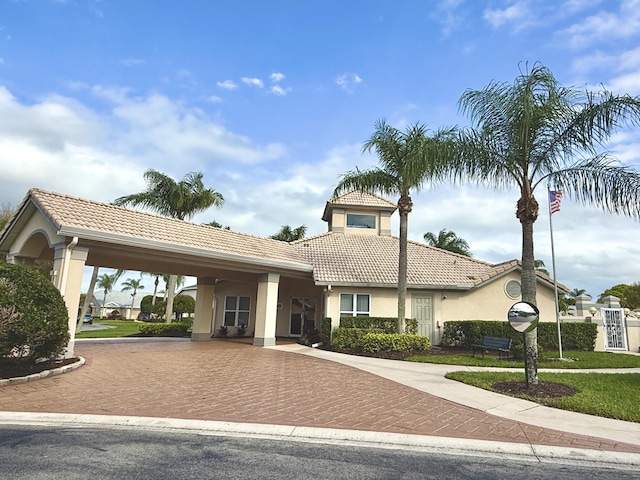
325, 331
157, 329
394, 342
575, 336
387, 324
34, 322
351, 337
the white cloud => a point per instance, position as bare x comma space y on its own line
605, 26
517, 15
348, 81
254, 82
276, 77
227, 85
60, 144
214, 99
278, 90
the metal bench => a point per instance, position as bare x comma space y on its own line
499, 344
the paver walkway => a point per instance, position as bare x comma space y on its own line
235, 382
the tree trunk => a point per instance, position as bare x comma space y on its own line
155, 290
171, 292
404, 207
527, 214
87, 299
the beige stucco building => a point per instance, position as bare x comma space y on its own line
264, 284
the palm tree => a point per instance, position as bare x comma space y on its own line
448, 240
536, 132
407, 160
132, 284
287, 234
541, 267
179, 200
574, 294
106, 282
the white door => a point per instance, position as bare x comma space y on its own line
423, 313
615, 333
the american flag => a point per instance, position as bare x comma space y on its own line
554, 201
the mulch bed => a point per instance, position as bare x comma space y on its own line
12, 370
541, 390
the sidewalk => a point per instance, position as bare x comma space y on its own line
290, 391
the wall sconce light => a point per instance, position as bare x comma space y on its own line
443, 297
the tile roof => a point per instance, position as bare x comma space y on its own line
73, 216
373, 260
358, 199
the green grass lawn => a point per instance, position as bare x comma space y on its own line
122, 329
580, 359
604, 395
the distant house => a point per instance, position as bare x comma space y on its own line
268, 286
116, 301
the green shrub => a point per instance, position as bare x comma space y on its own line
575, 336
159, 329
184, 304
34, 322
394, 342
325, 331
350, 337
387, 324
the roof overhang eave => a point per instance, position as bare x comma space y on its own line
140, 242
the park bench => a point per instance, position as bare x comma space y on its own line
499, 344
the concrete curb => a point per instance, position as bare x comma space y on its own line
418, 443
44, 373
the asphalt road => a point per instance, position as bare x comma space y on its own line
34, 453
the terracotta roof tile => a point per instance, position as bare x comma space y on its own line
366, 259
69, 212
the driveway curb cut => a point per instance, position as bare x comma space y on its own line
419, 443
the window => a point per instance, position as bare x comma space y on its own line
512, 289
354, 304
236, 311
356, 220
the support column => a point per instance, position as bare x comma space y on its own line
68, 266
266, 310
203, 319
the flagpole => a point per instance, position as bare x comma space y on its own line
555, 281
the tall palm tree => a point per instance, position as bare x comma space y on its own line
448, 240
106, 282
134, 284
288, 234
536, 132
179, 200
407, 160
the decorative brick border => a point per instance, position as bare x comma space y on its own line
44, 373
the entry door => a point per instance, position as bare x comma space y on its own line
303, 309
423, 313
615, 333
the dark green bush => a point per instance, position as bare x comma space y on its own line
394, 342
159, 329
184, 304
575, 336
387, 324
351, 337
34, 322
325, 331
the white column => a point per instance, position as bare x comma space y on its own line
203, 321
266, 310
68, 266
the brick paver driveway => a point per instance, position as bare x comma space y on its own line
230, 381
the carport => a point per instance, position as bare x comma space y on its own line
74, 232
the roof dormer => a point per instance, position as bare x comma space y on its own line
359, 213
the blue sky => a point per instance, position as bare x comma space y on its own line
272, 101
